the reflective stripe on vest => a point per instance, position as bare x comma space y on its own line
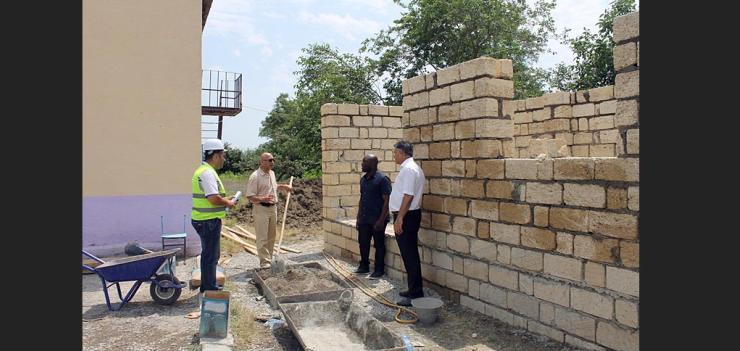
202, 209
203, 196
211, 209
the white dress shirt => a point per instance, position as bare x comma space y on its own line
410, 180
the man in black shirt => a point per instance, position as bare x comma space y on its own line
372, 215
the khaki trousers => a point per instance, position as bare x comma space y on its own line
265, 224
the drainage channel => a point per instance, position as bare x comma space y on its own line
318, 308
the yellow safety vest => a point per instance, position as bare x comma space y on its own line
202, 208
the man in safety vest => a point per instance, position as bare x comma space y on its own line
209, 206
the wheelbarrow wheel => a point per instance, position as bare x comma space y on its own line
164, 296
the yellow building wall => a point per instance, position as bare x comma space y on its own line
141, 81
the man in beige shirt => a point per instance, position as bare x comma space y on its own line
262, 193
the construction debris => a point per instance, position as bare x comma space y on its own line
245, 234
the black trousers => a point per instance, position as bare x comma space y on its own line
210, 242
408, 246
366, 233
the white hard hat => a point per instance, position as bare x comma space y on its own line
213, 144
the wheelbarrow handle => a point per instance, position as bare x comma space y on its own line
92, 256
88, 268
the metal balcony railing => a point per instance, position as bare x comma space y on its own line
221, 93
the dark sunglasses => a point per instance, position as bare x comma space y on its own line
271, 160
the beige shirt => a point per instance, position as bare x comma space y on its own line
261, 184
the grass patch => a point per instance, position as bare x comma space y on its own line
243, 326
233, 176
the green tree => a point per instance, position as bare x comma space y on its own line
294, 124
240, 161
594, 63
434, 34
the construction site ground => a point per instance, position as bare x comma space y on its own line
145, 325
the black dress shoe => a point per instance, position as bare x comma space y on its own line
410, 295
376, 275
404, 301
362, 270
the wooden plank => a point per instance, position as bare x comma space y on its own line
247, 246
242, 232
234, 238
254, 246
249, 235
195, 278
90, 263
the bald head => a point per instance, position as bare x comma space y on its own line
370, 163
266, 161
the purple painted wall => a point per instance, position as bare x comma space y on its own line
109, 222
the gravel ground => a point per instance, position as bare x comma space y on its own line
144, 325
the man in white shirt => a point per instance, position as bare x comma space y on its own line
262, 193
405, 205
209, 208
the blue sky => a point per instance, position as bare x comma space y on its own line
263, 39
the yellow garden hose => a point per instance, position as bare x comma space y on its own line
372, 293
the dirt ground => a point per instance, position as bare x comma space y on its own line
304, 209
299, 280
144, 325
141, 324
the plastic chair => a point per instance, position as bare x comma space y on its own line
167, 238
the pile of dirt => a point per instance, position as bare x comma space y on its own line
304, 210
301, 280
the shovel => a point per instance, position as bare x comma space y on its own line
278, 264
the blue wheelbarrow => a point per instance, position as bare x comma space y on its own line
157, 268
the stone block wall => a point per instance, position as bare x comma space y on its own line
547, 244
348, 133
583, 122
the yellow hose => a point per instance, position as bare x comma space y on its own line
372, 293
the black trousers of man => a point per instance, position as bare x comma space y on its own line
408, 246
209, 231
366, 233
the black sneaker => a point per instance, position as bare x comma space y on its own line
376, 275
362, 270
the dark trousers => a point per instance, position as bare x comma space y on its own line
366, 233
408, 245
210, 242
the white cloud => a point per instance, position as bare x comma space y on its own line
273, 15
579, 14
266, 51
237, 53
575, 15
379, 6
345, 25
232, 18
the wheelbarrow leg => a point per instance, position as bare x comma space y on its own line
105, 292
129, 295
124, 300
120, 296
